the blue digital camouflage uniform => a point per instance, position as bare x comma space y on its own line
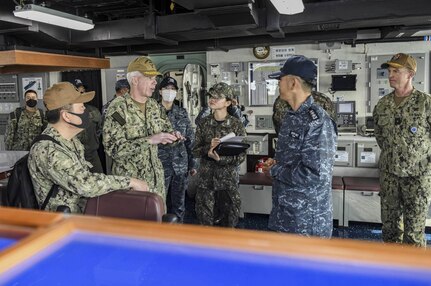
177, 160
301, 190
64, 165
403, 133
281, 106
217, 194
90, 138
125, 133
21, 133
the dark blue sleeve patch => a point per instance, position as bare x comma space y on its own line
313, 114
294, 134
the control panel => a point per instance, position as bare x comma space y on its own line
9, 88
263, 122
367, 154
346, 115
344, 153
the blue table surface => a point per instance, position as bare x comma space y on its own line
93, 259
6, 242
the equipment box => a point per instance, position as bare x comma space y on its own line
367, 155
362, 200
344, 154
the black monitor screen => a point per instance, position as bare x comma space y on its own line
343, 82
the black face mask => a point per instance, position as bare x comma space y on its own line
85, 118
31, 102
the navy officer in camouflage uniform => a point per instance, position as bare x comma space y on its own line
217, 193
64, 164
280, 108
402, 129
135, 125
304, 159
177, 159
24, 124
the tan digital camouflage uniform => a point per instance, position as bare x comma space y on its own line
125, 133
403, 134
50, 163
20, 134
281, 106
217, 192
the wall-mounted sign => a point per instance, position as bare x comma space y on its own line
33, 83
280, 53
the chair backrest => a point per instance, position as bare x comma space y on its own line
127, 204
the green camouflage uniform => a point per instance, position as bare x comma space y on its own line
90, 138
21, 133
281, 106
403, 134
125, 133
217, 192
64, 165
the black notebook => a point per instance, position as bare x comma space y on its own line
231, 148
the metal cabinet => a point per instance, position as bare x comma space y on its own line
255, 199
338, 205
362, 206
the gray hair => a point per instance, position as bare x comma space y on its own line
131, 75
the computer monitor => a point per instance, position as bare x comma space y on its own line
346, 107
343, 82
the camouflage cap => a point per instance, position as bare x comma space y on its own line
64, 93
401, 60
143, 65
221, 90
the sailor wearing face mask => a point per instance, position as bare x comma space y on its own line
24, 124
63, 163
177, 159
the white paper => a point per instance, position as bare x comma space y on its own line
232, 138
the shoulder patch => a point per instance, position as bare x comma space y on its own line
117, 117
313, 114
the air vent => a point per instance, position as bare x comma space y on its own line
329, 26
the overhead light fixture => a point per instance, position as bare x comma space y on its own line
288, 7
45, 15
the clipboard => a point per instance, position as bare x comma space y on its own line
231, 148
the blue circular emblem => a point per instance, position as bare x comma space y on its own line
413, 129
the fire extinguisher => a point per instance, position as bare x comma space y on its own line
259, 166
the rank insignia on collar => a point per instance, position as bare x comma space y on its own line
313, 114
294, 134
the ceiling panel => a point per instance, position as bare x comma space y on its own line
157, 26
